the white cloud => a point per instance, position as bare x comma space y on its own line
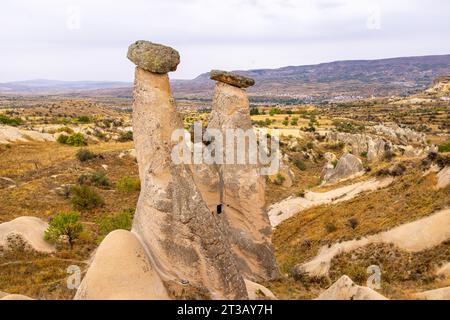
41, 39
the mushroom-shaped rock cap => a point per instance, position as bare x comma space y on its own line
153, 57
232, 78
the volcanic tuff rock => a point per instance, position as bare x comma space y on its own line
244, 219
121, 270
180, 234
232, 79
347, 166
153, 57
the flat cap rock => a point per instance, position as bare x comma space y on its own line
232, 78
153, 57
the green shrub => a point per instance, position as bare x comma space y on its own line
85, 154
330, 227
97, 178
300, 164
83, 119
126, 136
363, 154
128, 184
64, 224
10, 121
62, 139
445, 147
285, 122
76, 139
84, 197
119, 220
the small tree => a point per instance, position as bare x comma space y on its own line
64, 224
85, 154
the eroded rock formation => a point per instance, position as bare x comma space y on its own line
238, 188
182, 237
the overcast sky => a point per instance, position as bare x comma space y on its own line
88, 39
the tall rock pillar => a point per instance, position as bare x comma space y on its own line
181, 236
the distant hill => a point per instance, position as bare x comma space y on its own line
340, 80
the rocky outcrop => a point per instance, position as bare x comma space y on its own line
182, 238
436, 294
345, 289
258, 292
10, 134
121, 270
375, 148
239, 190
398, 135
15, 297
24, 233
348, 166
443, 178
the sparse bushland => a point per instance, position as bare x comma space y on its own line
64, 224
279, 179
128, 184
84, 197
119, 220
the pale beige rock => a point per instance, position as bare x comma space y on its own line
258, 292
444, 271
120, 270
443, 178
244, 219
345, 289
437, 294
180, 234
347, 167
29, 229
10, 134
15, 297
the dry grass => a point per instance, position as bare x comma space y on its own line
409, 198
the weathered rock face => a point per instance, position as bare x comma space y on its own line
400, 135
375, 148
345, 289
181, 236
244, 219
231, 79
153, 57
347, 166
437, 294
443, 178
121, 270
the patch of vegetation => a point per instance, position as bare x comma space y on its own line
76, 140
330, 226
83, 119
279, 179
97, 178
119, 220
84, 197
4, 119
445, 147
85, 155
64, 224
128, 184
300, 164
126, 136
